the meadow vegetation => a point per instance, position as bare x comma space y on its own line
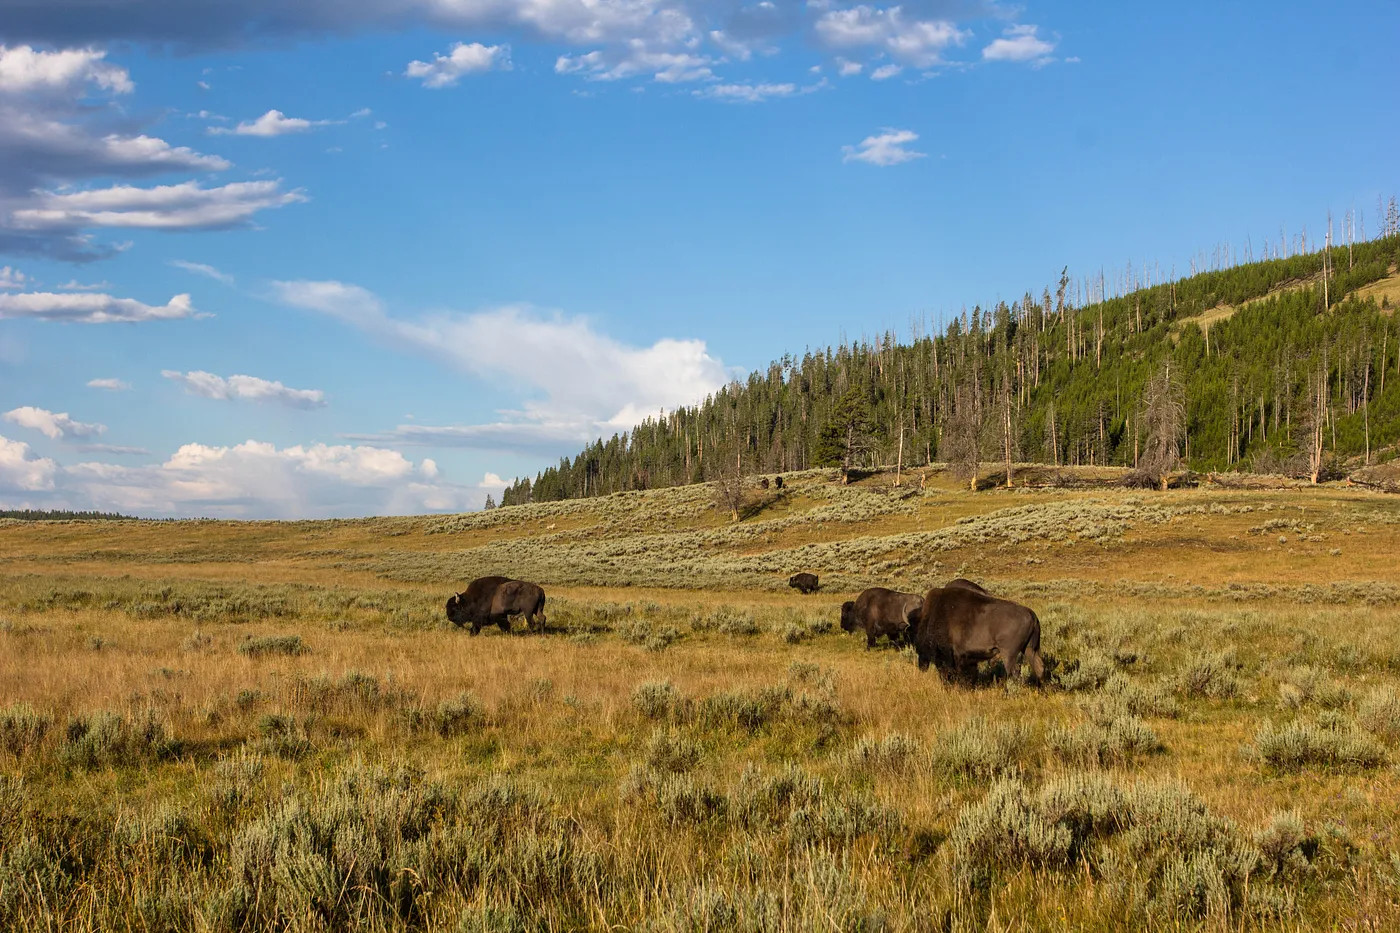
272, 726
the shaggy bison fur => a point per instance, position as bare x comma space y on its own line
958, 627
493, 600
878, 611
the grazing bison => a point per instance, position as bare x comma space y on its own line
493, 600
878, 611
804, 582
778, 481
959, 626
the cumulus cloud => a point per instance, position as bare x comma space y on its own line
272, 123
913, 41
492, 481
885, 72
56, 426
21, 472
186, 206
256, 479
91, 308
1019, 44
464, 59
590, 384
27, 70
54, 139
890, 147
245, 388
12, 278
109, 385
847, 68
199, 268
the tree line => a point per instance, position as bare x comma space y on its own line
1275, 364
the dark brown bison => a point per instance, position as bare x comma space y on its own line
878, 611
778, 482
493, 600
959, 626
966, 584
804, 582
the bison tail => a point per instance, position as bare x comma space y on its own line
1033, 659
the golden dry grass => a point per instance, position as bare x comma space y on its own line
102, 617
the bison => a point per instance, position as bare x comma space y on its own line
493, 600
959, 626
878, 611
966, 584
804, 583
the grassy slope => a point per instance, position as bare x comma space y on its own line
1288, 595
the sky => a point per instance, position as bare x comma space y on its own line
309, 258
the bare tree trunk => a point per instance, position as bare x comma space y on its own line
899, 463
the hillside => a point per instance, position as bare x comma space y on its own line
1249, 345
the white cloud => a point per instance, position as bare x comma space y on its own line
186, 206
91, 308
272, 123
199, 268
73, 285
109, 385
1020, 44
19, 471
492, 481
246, 388
53, 425
888, 148
12, 278
747, 93
464, 59
917, 42
255, 479
24, 69
590, 384
847, 68
664, 67
361, 113
885, 72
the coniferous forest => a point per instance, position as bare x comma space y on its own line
1275, 365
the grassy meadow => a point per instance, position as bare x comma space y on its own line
231, 726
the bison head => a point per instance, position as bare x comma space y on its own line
848, 616
454, 611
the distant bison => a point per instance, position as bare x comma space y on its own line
804, 582
493, 600
778, 482
878, 611
959, 626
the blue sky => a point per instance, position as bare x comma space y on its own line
276, 258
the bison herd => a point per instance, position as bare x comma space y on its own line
955, 626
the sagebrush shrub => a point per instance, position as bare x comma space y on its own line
22, 729
107, 739
1212, 676
1380, 712
656, 699
1299, 744
288, 645
979, 750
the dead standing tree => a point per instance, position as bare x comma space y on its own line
1164, 421
962, 435
1315, 422
732, 490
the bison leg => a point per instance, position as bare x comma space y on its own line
503, 623
870, 638
476, 628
